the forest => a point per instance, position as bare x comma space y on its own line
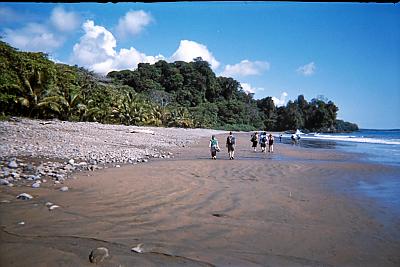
178, 94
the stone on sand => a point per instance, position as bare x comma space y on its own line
98, 255
13, 164
24, 196
64, 189
36, 184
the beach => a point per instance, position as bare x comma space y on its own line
177, 207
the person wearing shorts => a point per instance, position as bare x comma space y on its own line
263, 141
230, 144
254, 140
214, 147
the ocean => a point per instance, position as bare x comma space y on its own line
377, 146
382, 146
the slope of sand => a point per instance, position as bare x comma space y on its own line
294, 207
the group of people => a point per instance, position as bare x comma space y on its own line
295, 139
263, 140
231, 143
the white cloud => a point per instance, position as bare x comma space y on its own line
188, 50
64, 21
281, 101
307, 70
133, 23
33, 37
245, 68
249, 89
96, 51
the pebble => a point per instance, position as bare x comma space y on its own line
24, 196
36, 185
64, 189
13, 164
52, 207
82, 147
4, 182
98, 255
138, 248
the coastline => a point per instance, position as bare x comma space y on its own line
293, 207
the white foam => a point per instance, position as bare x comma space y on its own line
350, 138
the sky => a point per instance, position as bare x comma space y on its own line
347, 52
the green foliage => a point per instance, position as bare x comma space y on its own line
178, 94
343, 126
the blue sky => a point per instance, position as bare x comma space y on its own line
347, 52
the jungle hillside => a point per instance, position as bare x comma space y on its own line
178, 94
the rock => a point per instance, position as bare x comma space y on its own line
117, 166
138, 248
12, 164
24, 196
52, 207
21, 223
71, 161
4, 182
60, 177
98, 255
48, 204
29, 168
36, 185
64, 189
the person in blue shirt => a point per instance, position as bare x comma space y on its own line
263, 141
214, 147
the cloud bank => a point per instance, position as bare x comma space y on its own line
33, 37
245, 68
64, 21
188, 50
307, 70
96, 50
133, 23
249, 89
281, 101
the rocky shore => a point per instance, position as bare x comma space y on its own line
34, 152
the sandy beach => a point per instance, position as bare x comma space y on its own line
293, 207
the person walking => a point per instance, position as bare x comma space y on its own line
254, 140
214, 147
263, 141
270, 143
230, 144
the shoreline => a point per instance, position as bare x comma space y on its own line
293, 207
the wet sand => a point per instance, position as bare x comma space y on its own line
293, 207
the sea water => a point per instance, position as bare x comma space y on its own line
381, 146
378, 146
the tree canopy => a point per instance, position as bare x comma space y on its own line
178, 94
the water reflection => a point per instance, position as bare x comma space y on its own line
313, 143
